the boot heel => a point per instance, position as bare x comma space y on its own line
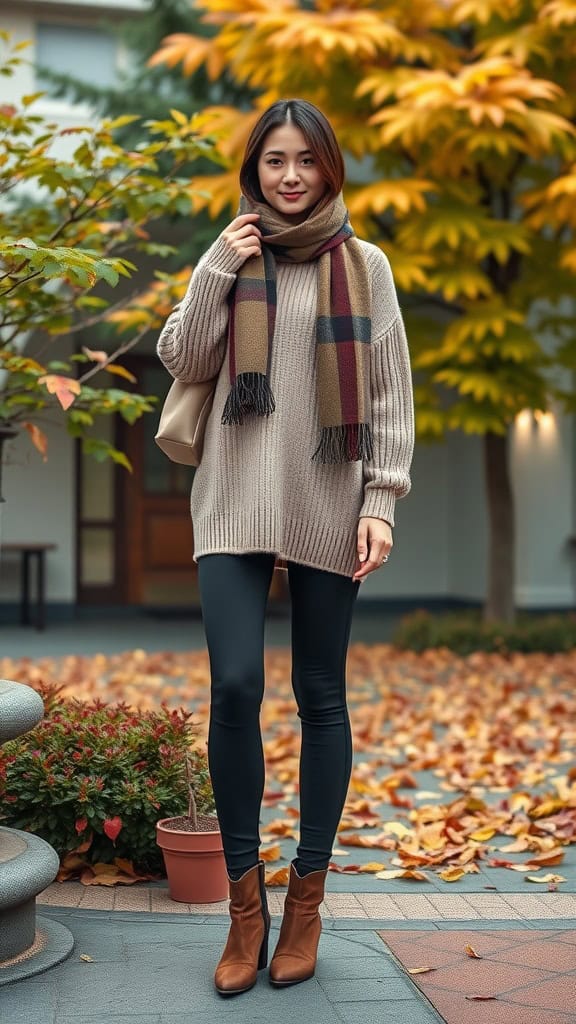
263, 955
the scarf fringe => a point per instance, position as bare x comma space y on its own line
250, 393
347, 443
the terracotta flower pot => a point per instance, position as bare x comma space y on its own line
194, 859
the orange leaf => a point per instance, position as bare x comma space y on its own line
38, 438
348, 869
452, 874
379, 842
271, 853
98, 356
279, 877
65, 388
417, 876
482, 834
281, 828
548, 859
470, 951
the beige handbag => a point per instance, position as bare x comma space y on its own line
183, 421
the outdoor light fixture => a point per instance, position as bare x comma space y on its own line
530, 422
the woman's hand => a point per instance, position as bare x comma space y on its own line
242, 236
374, 545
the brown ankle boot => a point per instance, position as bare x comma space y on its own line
246, 951
294, 958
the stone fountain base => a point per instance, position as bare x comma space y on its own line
27, 865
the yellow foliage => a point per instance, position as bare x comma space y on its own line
191, 51
402, 195
559, 13
481, 11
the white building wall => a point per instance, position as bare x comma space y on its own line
40, 506
466, 519
543, 466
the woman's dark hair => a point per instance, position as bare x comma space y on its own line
318, 133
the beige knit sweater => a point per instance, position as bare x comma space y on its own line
257, 488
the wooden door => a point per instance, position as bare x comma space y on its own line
157, 528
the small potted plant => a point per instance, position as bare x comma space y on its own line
193, 853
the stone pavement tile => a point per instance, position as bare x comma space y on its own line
544, 954
348, 990
294, 1006
160, 902
339, 905
62, 894
556, 993
97, 898
123, 1018
452, 941
416, 904
275, 902
379, 905
102, 945
454, 1008
132, 898
153, 986
530, 905
33, 999
221, 907
492, 906
371, 924
349, 943
382, 966
453, 906
563, 902
23, 1017
406, 1011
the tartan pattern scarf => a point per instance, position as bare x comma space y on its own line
343, 327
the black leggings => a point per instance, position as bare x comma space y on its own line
234, 591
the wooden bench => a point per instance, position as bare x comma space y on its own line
29, 550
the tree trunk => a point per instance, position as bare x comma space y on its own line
500, 597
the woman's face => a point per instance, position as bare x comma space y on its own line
289, 177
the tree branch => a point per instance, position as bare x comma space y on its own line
114, 356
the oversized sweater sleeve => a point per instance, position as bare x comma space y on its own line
192, 343
387, 474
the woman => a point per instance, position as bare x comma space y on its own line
306, 450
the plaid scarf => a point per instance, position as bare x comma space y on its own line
343, 326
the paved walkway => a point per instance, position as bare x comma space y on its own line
156, 967
140, 958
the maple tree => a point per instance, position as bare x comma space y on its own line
68, 225
459, 117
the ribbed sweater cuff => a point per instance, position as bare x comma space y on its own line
379, 503
221, 259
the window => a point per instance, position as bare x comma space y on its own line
85, 52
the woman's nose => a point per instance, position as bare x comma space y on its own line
291, 174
